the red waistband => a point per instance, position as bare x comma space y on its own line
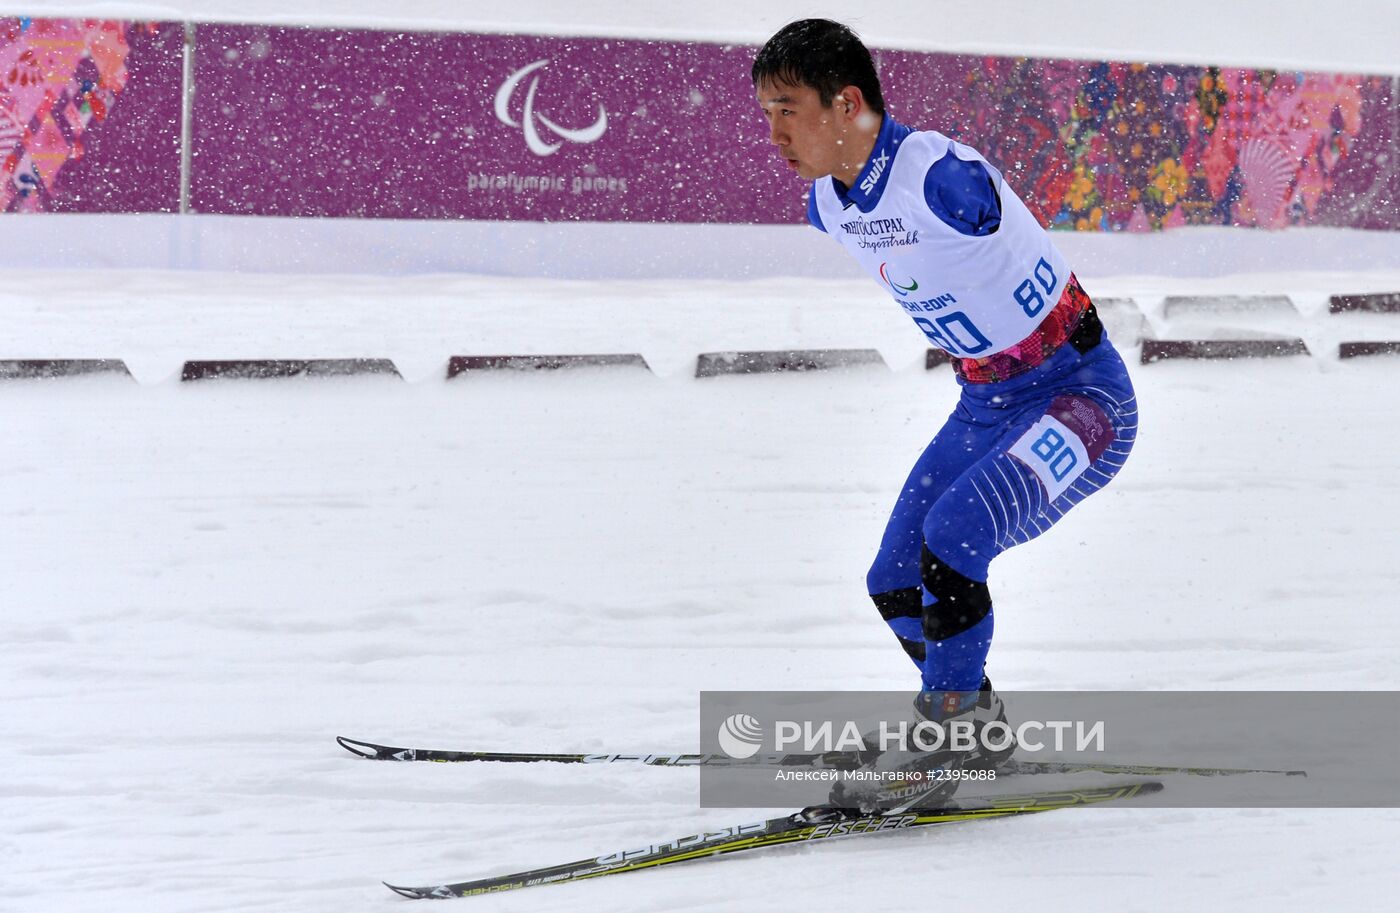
1057, 326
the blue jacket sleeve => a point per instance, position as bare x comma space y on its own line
964, 195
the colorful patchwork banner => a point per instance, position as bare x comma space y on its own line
90, 115
1111, 146
357, 123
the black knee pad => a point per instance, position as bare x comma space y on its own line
962, 602
905, 603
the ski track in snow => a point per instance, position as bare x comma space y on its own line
205, 583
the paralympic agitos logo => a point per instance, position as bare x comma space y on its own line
901, 290
531, 120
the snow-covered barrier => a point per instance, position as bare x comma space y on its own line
1368, 348
1378, 303
1178, 306
274, 369
1154, 350
462, 364
715, 364
51, 368
1123, 320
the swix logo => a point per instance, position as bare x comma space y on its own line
900, 289
873, 177
529, 115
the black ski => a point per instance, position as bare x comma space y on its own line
830, 759
804, 826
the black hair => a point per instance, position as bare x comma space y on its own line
825, 55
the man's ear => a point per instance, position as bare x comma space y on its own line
850, 99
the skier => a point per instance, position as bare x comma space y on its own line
1046, 415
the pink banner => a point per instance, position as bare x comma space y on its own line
311, 122
355, 123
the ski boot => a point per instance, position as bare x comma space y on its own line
897, 779
991, 709
911, 776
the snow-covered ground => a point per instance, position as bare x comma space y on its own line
203, 584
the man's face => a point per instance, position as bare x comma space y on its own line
810, 136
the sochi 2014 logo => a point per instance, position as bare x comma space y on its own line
531, 120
